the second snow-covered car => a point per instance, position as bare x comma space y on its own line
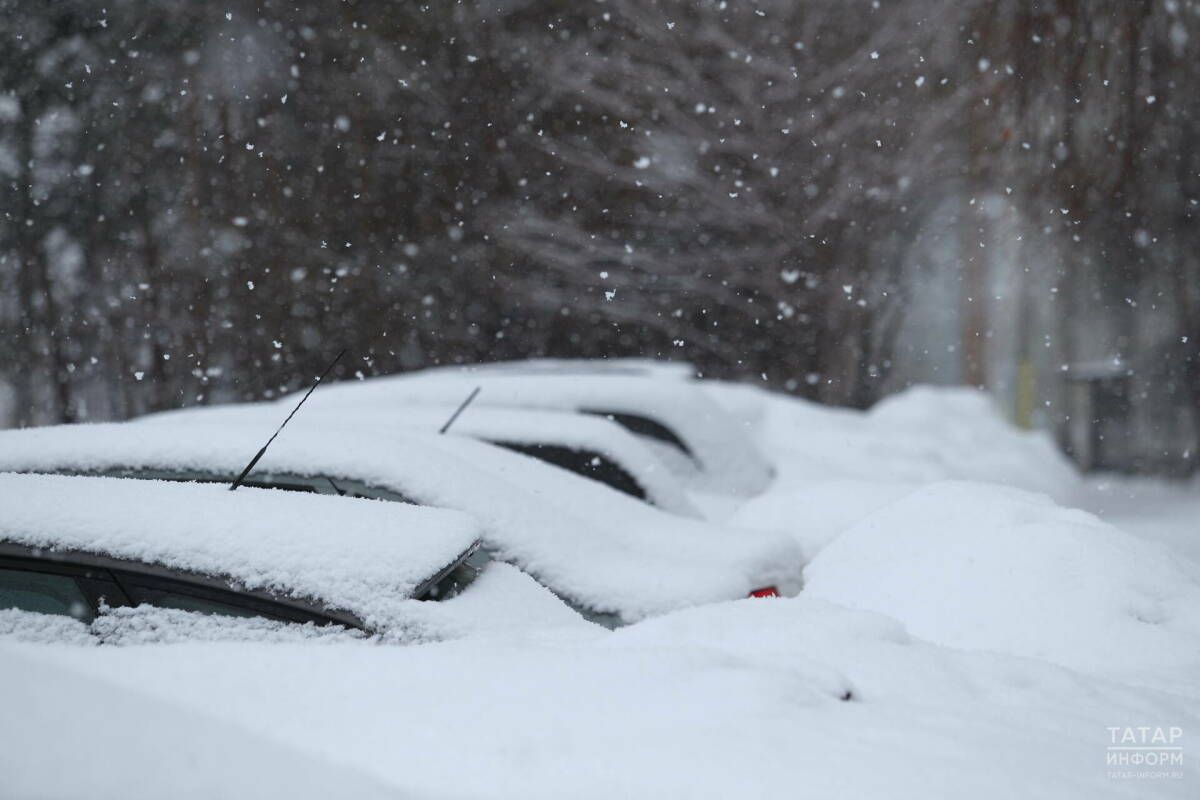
691, 434
587, 445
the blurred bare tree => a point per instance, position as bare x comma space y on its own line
201, 201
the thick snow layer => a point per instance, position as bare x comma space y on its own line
503, 602
1167, 512
502, 425
727, 461
991, 568
146, 624
28, 626
359, 556
1008, 638
977, 565
836, 466
921, 435
816, 512
589, 543
67, 734
750, 698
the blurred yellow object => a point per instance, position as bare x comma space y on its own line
1025, 394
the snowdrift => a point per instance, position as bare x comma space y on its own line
992, 568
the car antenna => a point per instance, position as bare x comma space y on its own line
460, 409
238, 481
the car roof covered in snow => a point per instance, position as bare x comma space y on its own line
645, 367
719, 454
602, 549
357, 556
524, 427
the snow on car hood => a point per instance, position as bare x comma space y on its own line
355, 555
590, 544
727, 461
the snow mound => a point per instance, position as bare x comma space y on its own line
920, 435
816, 512
959, 434
75, 735
992, 568
747, 698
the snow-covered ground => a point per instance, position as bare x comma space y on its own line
977, 621
1160, 511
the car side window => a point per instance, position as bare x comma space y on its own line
644, 426
79, 589
183, 595
587, 463
189, 602
44, 593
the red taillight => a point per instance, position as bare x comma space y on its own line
766, 591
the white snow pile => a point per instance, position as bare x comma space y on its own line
355, 555
68, 734
755, 697
1149, 508
920, 435
918, 509
960, 434
601, 548
721, 458
835, 466
990, 568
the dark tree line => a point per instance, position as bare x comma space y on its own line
204, 201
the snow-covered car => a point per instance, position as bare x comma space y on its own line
693, 436
590, 446
81, 546
611, 557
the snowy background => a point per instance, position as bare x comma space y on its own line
837, 198
842, 212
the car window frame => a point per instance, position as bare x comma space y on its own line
642, 425
281, 481
129, 575
621, 480
94, 583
